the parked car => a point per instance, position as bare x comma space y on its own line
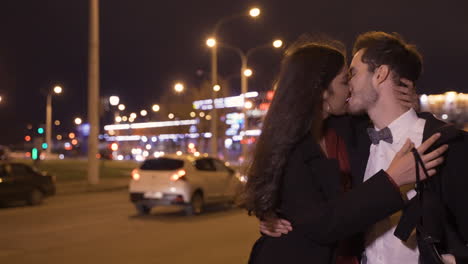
185, 180
20, 182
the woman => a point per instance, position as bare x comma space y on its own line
300, 167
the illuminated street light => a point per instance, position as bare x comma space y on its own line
133, 115
278, 43
124, 118
208, 117
171, 116
58, 89
216, 88
114, 100
57, 122
202, 114
211, 42
59, 137
78, 121
143, 112
121, 107
156, 108
118, 119
179, 87
248, 72
254, 12
193, 114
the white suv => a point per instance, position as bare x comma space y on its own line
183, 180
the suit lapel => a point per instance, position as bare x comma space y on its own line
358, 151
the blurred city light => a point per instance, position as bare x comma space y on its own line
27, 138
78, 121
143, 112
171, 116
216, 88
40, 131
193, 114
133, 115
118, 119
202, 114
121, 107
57, 122
208, 117
114, 100
71, 135
248, 105
114, 146
156, 108
59, 137
44, 145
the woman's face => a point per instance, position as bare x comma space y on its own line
337, 94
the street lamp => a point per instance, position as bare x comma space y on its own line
114, 100
56, 90
143, 112
212, 43
179, 87
121, 107
278, 43
254, 12
217, 88
246, 72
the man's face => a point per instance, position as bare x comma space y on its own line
363, 93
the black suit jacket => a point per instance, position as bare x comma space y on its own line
445, 200
320, 214
447, 192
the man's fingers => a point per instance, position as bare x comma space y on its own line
405, 148
429, 142
434, 154
434, 163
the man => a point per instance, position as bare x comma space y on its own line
380, 60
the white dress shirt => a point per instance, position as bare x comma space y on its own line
382, 247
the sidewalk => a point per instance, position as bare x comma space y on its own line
76, 187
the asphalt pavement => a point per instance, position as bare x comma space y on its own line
100, 225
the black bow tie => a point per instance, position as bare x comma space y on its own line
383, 134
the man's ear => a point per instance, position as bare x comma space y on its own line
381, 74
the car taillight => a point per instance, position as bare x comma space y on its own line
178, 175
135, 175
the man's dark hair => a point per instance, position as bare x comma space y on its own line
382, 48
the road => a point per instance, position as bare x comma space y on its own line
104, 228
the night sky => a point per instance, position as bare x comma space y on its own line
146, 45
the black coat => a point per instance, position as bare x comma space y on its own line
446, 206
445, 198
320, 214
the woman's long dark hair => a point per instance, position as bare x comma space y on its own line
296, 110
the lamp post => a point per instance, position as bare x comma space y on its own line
211, 42
245, 73
57, 90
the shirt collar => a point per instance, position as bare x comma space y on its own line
402, 125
